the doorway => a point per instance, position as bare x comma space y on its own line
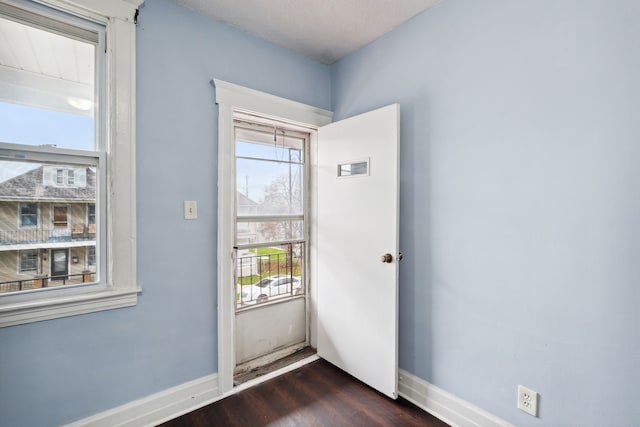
232, 100
270, 244
59, 264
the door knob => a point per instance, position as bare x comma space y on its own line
386, 258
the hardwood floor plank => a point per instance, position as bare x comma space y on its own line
318, 394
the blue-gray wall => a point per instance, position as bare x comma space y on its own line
59, 371
520, 207
520, 211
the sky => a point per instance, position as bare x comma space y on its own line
254, 175
33, 126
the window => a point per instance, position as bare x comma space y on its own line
91, 256
91, 213
270, 207
60, 217
28, 214
28, 261
67, 177
63, 140
353, 168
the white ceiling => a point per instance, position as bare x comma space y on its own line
324, 30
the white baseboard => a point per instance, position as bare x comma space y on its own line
443, 405
159, 407
173, 402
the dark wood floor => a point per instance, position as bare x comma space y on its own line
317, 394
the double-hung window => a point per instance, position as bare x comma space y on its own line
66, 157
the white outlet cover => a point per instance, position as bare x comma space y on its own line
528, 400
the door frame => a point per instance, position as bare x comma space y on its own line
232, 98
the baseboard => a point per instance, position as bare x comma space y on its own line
159, 407
443, 405
173, 402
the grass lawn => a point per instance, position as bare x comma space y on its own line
276, 264
249, 280
267, 251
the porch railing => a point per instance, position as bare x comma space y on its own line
38, 282
14, 237
259, 271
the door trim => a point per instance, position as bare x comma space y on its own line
233, 98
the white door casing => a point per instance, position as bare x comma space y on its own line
233, 98
357, 224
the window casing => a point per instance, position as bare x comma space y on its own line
116, 244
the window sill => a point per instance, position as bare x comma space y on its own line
52, 308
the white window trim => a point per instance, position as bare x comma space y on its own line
233, 98
120, 288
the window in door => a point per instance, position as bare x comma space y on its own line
270, 235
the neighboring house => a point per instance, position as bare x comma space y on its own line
246, 230
247, 233
48, 228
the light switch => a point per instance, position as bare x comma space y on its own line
190, 209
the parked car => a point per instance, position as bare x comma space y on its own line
272, 287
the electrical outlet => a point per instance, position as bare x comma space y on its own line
528, 400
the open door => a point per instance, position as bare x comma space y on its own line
357, 275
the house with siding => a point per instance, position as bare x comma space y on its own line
48, 228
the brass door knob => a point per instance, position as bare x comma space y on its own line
386, 258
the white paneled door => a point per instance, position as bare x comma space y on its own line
358, 193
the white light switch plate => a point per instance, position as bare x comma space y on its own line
190, 209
